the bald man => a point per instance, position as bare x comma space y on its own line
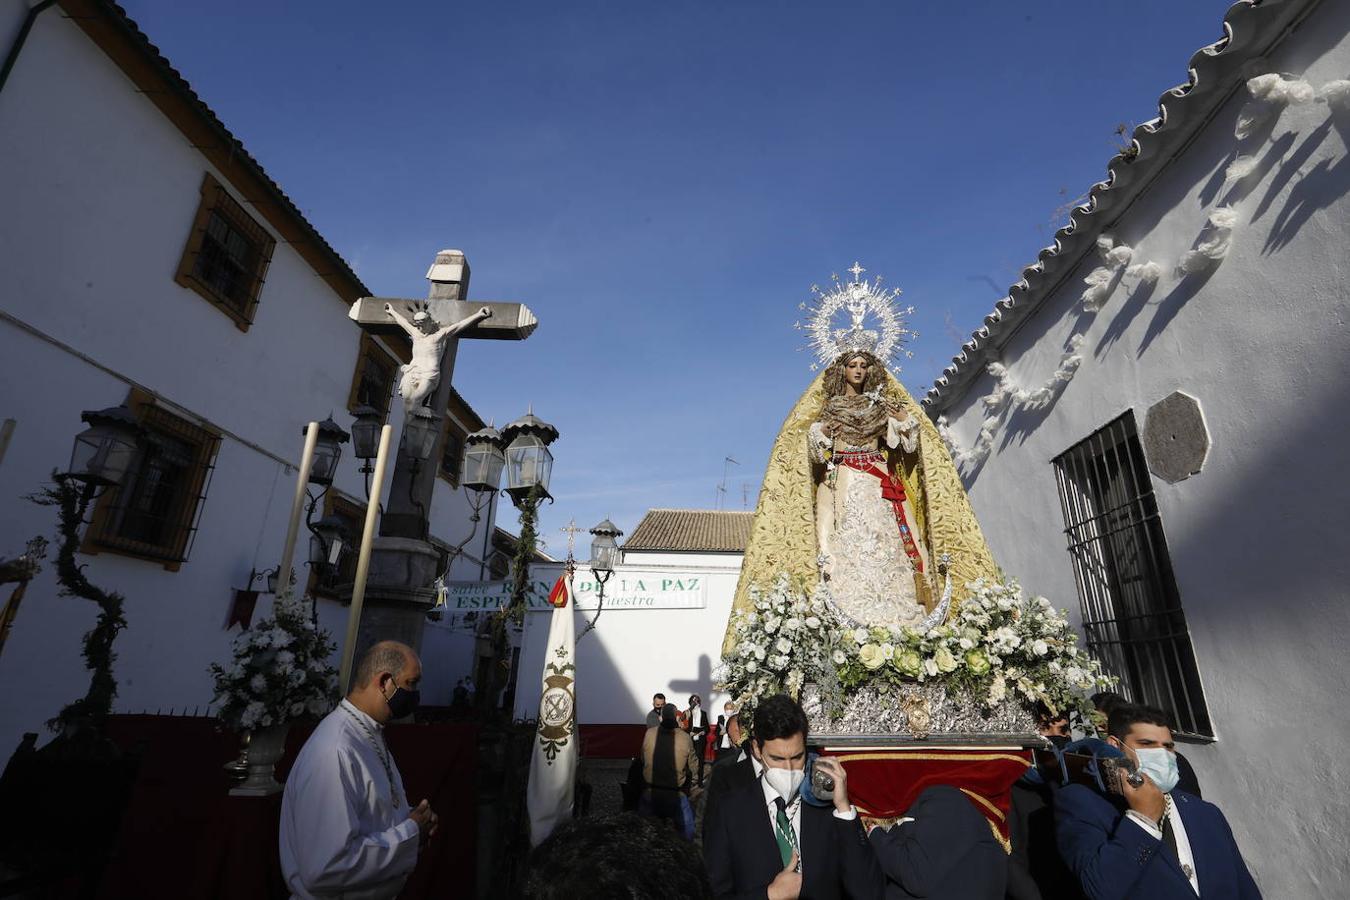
347, 828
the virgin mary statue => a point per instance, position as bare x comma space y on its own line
860, 493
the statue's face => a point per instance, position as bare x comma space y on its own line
423, 321
855, 372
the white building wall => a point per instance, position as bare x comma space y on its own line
1256, 538
634, 653
100, 191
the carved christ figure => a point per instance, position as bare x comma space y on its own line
420, 376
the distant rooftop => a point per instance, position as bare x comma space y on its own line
692, 530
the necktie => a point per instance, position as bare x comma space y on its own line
1170, 838
784, 832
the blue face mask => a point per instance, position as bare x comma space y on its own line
1160, 765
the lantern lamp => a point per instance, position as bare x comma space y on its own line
327, 451
103, 452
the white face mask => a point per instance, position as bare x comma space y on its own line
785, 782
1159, 764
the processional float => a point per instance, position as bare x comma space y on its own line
868, 591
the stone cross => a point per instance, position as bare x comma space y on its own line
413, 480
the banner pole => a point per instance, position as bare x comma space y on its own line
363, 560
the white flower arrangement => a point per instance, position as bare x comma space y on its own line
280, 671
995, 645
784, 641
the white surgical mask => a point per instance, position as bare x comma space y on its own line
785, 782
1159, 764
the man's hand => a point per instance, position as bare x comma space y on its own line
836, 771
788, 884
1145, 799
484, 312
427, 821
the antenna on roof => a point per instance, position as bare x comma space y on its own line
722, 485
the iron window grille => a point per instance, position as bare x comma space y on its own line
452, 455
155, 512
373, 381
1132, 614
227, 254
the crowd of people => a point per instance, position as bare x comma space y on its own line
1113, 817
1119, 817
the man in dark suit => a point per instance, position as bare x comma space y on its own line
729, 773
943, 849
1159, 843
760, 840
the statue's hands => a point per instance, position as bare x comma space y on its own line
389, 308
484, 312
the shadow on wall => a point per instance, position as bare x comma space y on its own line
599, 675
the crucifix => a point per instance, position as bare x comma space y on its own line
435, 326
571, 530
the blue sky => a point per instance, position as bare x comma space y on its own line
662, 183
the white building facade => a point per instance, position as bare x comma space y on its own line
661, 628
149, 260
1159, 444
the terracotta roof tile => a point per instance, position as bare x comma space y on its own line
706, 530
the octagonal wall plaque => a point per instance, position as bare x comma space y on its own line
1176, 441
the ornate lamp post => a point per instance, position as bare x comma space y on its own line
327, 452
605, 555
103, 452
529, 463
366, 439
420, 431
484, 458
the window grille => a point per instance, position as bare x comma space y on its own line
155, 511
1132, 614
227, 254
373, 381
452, 455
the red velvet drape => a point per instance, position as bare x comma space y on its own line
884, 783
183, 836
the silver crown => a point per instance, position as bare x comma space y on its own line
860, 299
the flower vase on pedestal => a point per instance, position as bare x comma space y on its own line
265, 748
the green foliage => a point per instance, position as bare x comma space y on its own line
71, 498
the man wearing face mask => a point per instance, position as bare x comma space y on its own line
1164, 844
347, 826
760, 840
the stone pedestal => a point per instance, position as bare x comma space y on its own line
398, 592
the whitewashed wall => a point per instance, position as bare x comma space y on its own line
634, 653
1257, 538
99, 194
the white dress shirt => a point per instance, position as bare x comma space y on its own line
1184, 855
345, 830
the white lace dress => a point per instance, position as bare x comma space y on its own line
865, 559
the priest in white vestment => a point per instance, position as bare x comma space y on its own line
347, 827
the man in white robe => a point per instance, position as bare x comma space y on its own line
347, 829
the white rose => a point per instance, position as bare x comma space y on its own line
930, 667
758, 652
944, 660
793, 623
839, 658
888, 652
860, 635
871, 656
1040, 648
812, 622
783, 645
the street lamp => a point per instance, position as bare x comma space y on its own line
327, 451
103, 452
420, 431
528, 460
325, 535
366, 435
484, 457
605, 555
